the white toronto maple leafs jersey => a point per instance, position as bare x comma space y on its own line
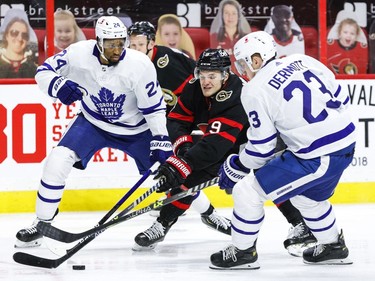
298, 97
123, 99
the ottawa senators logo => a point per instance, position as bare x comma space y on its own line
169, 97
223, 95
345, 66
163, 61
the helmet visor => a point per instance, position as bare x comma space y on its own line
241, 66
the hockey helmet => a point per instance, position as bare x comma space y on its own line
110, 27
213, 59
142, 28
258, 42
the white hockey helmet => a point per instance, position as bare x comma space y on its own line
110, 27
258, 42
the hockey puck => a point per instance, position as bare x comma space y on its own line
79, 267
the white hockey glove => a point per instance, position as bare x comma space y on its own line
160, 149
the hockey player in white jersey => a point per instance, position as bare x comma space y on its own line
122, 107
298, 97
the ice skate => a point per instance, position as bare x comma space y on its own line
232, 258
299, 239
215, 221
29, 237
334, 253
148, 239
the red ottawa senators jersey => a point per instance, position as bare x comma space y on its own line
174, 70
351, 60
221, 117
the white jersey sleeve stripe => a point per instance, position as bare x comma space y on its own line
153, 108
329, 139
268, 139
258, 154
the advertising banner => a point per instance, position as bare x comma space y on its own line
31, 124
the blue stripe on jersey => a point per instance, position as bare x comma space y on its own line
45, 66
326, 214
51, 85
99, 117
52, 187
260, 155
264, 140
151, 109
48, 200
244, 232
323, 228
337, 91
246, 221
329, 139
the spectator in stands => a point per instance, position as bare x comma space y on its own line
18, 46
285, 31
347, 47
371, 38
170, 33
228, 26
66, 30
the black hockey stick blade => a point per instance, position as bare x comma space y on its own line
31, 260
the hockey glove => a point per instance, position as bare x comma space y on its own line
172, 173
230, 172
160, 149
182, 145
66, 90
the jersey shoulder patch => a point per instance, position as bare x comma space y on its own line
223, 95
163, 61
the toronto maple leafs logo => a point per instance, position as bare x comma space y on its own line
108, 107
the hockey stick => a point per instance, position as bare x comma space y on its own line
31, 260
151, 170
48, 230
129, 193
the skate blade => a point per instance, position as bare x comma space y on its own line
138, 248
331, 262
155, 213
32, 244
296, 250
249, 266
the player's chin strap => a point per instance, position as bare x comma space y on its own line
148, 50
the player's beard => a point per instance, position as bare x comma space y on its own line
113, 63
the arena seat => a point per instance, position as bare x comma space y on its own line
310, 35
89, 32
200, 37
41, 34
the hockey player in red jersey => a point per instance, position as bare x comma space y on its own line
212, 103
174, 69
